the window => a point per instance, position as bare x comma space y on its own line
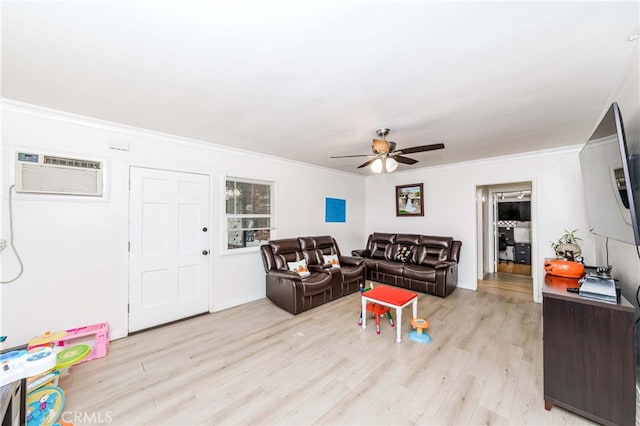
249, 220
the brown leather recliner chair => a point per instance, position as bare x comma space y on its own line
295, 294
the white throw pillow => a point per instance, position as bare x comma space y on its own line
331, 259
300, 268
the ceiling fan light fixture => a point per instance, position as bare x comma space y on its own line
376, 166
386, 157
392, 165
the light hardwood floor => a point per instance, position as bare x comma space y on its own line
515, 268
507, 285
256, 364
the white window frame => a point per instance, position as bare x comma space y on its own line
227, 216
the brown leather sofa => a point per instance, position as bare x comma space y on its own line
295, 294
424, 263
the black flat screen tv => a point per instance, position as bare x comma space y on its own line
514, 210
611, 179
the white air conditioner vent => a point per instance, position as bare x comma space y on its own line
71, 162
46, 174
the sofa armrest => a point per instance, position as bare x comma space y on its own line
351, 260
318, 268
287, 275
361, 253
445, 264
284, 289
446, 277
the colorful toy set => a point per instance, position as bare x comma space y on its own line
42, 362
16, 365
96, 336
44, 406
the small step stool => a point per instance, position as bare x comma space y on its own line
418, 335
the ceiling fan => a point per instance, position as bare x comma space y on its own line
385, 157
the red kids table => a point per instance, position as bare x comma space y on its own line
392, 297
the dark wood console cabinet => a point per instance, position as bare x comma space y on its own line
589, 356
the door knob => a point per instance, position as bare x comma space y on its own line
205, 252
204, 229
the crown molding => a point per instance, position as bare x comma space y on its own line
9, 105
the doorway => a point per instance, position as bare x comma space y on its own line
168, 246
505, 240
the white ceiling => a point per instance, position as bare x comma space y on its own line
306, 80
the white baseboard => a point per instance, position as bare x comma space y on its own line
237, 302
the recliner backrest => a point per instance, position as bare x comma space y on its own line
378, 244
433, 250
408, 239
285, 250
313, 248
268, 261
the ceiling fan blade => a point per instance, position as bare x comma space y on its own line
349, 156
366, 163
422, 148
405, 160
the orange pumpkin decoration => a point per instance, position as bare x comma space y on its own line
564, 268
560, 282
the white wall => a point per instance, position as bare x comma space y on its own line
450, 205
75, 249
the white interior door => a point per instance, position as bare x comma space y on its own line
169, 237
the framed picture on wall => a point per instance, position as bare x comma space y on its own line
409, 200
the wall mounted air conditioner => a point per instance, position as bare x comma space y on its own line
48, 174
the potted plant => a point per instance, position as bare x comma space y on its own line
567, 246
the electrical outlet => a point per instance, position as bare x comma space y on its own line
3, 244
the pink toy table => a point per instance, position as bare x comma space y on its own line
392, 297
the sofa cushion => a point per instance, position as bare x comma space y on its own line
390, 267
299, 267
420, 273
315, 284
331, 259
